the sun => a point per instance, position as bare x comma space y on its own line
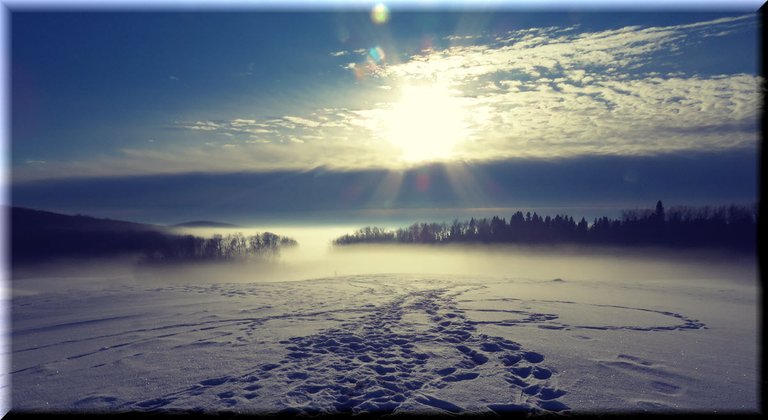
426, 123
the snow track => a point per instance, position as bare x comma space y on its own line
401, 357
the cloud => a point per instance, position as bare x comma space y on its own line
550, 92
460, 37
302, 121
327, 137
552, 49
625, 181
201, 126
641, 116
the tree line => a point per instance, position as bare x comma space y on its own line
731, 226
180, 248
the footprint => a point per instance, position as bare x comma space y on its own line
226, 394
664, 387
490, 347
438, 403
299, 354
522, 372
214, 381
653, 405
506, 408
509, 345
476, 357
533, 357
541, 373
553, 405
511, 359
154, 403
313, 389
516, 381
479, 358
98, 402
297, 375
550, 394
635, 359
532, 390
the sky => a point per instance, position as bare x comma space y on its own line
160, 114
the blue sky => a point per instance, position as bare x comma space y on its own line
99, 96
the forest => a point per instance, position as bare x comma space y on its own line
40, 235
172, 248
733, 227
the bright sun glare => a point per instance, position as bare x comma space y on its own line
426, 123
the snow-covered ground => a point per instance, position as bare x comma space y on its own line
410, 329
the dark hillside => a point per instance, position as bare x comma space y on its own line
39, 235
26, 220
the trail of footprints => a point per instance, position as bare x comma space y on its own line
384, 363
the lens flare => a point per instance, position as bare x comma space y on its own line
380, 14
376, 54
359, 72
422, 182
426, 44
373, 66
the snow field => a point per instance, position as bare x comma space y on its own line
386, 343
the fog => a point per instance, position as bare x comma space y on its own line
315, 257
616, 322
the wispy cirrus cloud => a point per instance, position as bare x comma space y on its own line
551, 51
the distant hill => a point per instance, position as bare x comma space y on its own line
39, 235
204, 223
23, 219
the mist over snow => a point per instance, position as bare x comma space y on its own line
440, 329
